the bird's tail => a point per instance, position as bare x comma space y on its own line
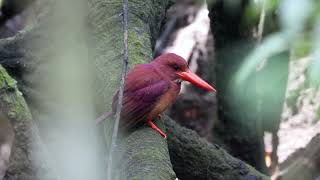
104, 116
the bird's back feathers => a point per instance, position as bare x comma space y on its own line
143, 89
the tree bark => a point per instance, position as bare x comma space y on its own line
146, 156
193, 157
13, 105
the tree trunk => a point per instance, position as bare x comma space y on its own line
13, 106
145, 153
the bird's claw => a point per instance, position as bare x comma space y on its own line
153, 126
164, 135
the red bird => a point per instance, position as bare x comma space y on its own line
150, 88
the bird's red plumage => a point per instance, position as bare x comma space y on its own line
150, 88
144, 89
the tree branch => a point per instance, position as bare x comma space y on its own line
194, 158
13, 105
146, 156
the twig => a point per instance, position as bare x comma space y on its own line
121, 88
259, 67
261, 21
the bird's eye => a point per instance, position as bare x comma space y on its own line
175, 67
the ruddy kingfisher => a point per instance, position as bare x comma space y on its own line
151, 88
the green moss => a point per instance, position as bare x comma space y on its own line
145, 153
139, 44
108, 43
15, 104
144, 21
194, 158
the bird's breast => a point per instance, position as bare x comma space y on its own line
165, 101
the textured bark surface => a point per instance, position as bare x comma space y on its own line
13, 105
105, 18
146, 156
18, 58
194, 158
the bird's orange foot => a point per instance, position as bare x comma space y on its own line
153, 126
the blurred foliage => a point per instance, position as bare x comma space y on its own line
314, 68
292, 99
299, 33
302, 46
291, 29
253, 11
318, 114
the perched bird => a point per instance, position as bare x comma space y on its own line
151, 88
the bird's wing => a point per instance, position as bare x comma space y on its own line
143, 89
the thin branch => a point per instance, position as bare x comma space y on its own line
121, 88
261, 21
260, 32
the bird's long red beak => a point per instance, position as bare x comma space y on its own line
195, 80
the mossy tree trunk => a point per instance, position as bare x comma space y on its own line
194, 158
145, 153
105, 20
13, 106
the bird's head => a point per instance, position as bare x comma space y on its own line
177, 69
